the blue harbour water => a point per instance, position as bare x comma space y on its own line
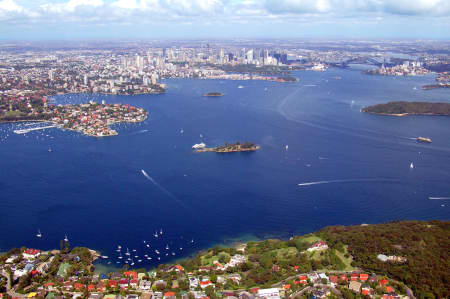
93, 190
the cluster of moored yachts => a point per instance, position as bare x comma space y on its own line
132, 257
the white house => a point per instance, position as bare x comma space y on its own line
272, 293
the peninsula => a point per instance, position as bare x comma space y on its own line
230, 148
213, 94
409, 108
92, 119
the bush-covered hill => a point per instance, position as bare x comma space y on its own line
426, 245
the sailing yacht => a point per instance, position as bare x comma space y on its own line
39, 235
411, 166
160, 232
66, 239
128, 252
167, 247
148, 245
287, 147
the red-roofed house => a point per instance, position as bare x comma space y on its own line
334, 279
31, 253
204, 284
343, 277
254, 290
169, 295
318, 246
366, 291
354, 277
389, 289
101, 287
112, 283
134, 283
363, 277
77, 286
132, 274
383, 282
287, 287
123, 283
296, 268
91, 287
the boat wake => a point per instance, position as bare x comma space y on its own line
342, 181
438, 198
163, 190
140, 132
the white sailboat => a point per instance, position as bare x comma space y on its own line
287, 147
411, 166
128, 252
66, 239
160, 232
39, 235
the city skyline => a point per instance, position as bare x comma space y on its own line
147, 19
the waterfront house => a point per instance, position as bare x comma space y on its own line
31, 254
145, 285
134, 283
123, 283
363, 277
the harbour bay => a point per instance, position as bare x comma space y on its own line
93, 189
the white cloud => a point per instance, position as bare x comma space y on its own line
342, 7
10, 6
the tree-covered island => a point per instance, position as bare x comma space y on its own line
409, 108
230, 148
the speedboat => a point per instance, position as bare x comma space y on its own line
39, 235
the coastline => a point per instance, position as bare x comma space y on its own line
405, 114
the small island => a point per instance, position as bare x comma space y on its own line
213, 94
409, 108
230, 148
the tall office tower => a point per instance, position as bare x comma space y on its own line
51, 75
249, 56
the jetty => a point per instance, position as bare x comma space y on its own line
24, 131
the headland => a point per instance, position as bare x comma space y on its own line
409, 108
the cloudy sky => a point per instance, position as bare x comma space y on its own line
119, 19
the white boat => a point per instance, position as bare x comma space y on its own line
148, 245
411, 166
167, 247
66, 239
120, 257
49, 149
134, 250
181, 248
287, 147
240, 86
173, 253
128, 252
104, 256
181, 131
39, 235
160, 232
199, 145
192, 241
139, 261
119, 247
136, 256
159, 258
